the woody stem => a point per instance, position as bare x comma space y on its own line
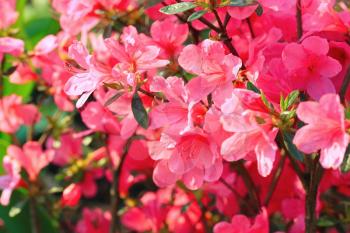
314, 178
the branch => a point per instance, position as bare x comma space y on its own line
316, 172
345, 85
114, 191
249, 183
275, 180
299, 20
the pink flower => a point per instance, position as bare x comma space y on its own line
9, 181
191, 157
242, 224
98, 118
135, 55
215, 69
71, 195
151, 215
9, 14
311, 65
12, 46
88, 76
325, 130
94, 221
32, 158
169, 35
13, 113
66, 149
244, 115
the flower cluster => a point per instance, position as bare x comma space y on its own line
177, 116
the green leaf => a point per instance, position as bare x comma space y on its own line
240, 3
282, 103
177, 8
292, 149
252, 87
113, 98
196, 15
291, 98
345, 166
324, 221
149, 3
17, 208
259, 10
266, 102
139, 110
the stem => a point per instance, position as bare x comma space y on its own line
275, 180
34, 221
224, 37
2, 65
250, 26
311, 196
248, 181
344, 86
114, 191
299, 20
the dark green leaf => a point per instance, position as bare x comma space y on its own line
10, 70
259, 10
292, 149
196, 15
177, 8
139, 111
113, 98
252, 87
107, 31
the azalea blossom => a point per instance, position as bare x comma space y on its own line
32, 158
325, 130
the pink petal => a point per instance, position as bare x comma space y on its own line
316, 45
190, 59
294, 56
162, 176
78, 52
317, 88
333, 155
329, 67
194, 178
236, 147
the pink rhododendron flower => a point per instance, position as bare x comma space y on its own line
71, 195
244, 114
151, 215
12, 46
242, 224
9, 181
94, 221
88, 76
13, 113
32, 158
135, 55
66, 149
9, 14
169, 35
311, 65
192, 157
210, 62
325, 130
